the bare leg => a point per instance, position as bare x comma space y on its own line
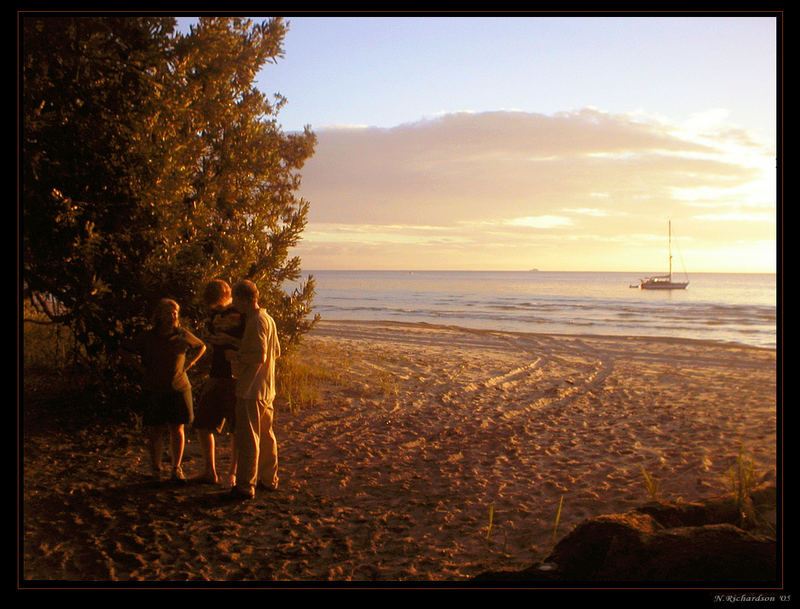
232, 468
177, 442
208, 445
155, 435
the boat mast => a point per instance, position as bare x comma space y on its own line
669, 246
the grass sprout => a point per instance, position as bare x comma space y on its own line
558, 517
742, 477
653, 486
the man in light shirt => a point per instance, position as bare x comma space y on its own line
253, 366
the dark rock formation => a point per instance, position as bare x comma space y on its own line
715, 541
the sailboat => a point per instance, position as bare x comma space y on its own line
662, 282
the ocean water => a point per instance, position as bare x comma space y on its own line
730, 308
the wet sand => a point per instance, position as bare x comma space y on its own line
434, 454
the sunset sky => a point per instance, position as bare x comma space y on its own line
535, 142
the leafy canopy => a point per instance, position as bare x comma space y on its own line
151, 165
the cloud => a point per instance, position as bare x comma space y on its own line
590, 211
738, 217
480, 180
541, 221
472, 166
382, 234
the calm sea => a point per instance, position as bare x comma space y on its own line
733, 308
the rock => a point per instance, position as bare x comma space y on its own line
659, 542
628, 549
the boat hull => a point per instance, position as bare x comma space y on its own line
663, 285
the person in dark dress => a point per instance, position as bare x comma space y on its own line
164, 351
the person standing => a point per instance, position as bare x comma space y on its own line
253, 367
217, 402
163, 351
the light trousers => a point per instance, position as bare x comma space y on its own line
256, 445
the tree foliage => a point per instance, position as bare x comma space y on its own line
152, 164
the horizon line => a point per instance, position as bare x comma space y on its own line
534, 270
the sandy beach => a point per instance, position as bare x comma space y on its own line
434, 454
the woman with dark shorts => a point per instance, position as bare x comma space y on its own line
168, 393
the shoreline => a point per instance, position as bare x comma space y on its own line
566, 335
431, 454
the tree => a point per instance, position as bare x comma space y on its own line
152, 164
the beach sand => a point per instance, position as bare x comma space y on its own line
434, 454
